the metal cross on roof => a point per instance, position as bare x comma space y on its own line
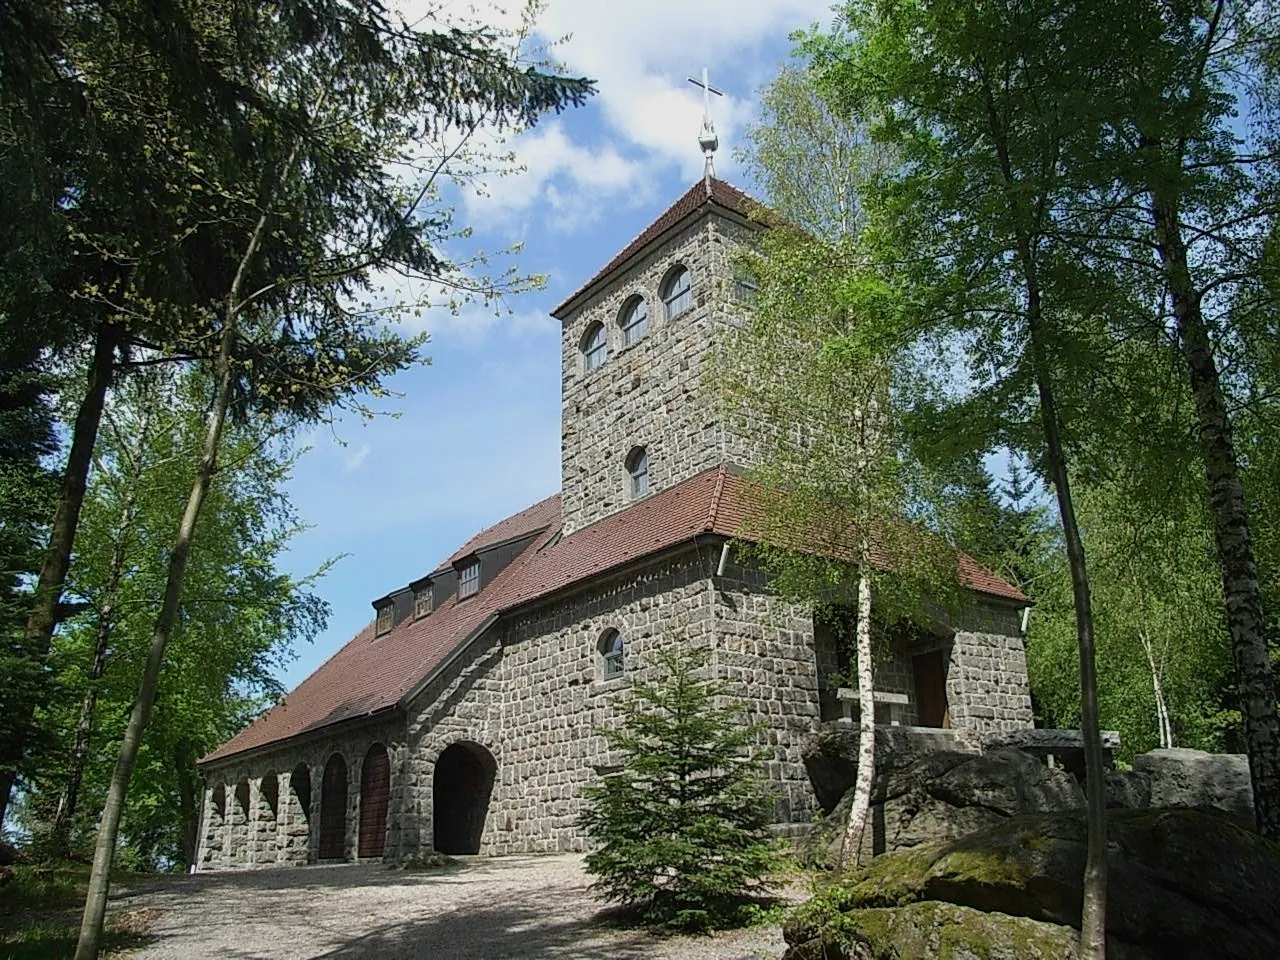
707, 139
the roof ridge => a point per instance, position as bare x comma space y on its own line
714, 508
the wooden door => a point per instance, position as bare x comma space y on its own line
375, 794
333, 810
930, 671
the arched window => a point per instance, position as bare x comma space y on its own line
611, 664
745, 288
676, 295
595, 347
638, 470
632, 320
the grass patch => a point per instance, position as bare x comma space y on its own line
40, 908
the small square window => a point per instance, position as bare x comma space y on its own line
469, 580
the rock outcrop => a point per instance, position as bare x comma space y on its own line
944, 795
1200, 781
1182, 884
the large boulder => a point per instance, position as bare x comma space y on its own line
1181, 884
1200, 781
944, 795
930, 929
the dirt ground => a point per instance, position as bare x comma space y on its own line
509, 907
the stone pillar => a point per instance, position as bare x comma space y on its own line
351, 849
251, 826
313, 838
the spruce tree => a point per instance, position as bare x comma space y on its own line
682, 828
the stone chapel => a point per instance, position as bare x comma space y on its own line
462, 719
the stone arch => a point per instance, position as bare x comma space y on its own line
297, 839
461, 786
333, 809
238, 818
270, 793
266, 819
214, 836
375, 798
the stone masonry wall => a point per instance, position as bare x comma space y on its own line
765, 650
651, 393
535, 701
533, 694
987, 683
253, 834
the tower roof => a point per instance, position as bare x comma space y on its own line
707, 192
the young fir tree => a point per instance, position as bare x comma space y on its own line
682, 829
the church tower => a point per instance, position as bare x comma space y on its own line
636, 414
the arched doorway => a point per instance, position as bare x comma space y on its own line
461, 787
298, 811
333, 809
239, 816
375, 794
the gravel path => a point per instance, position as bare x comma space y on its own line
508, 907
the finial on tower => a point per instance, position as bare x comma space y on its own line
707, 139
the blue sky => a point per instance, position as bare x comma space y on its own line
477, 436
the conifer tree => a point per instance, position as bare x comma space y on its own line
682, 828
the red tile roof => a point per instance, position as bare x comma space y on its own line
371, 675
707, 191
530, 520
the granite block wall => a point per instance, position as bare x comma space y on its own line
651, 393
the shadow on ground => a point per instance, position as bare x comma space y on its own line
502, 931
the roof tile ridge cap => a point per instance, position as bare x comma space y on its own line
714, 507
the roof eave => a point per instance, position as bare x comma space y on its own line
372, 716
709, 206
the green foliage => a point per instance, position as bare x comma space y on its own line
682, 827
239, 620
1159, 617
27, 491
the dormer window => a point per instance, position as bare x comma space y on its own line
677, 297
469, 580
422, 601
595, 347
383, 624
632, 320
638, 471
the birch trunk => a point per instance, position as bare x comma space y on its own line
62, 534
1239, 570
856, 826
1162, 709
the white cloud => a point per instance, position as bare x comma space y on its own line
352, 459
571, 179
641, 53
